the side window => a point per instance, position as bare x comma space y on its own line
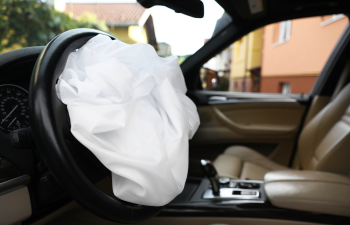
284, 57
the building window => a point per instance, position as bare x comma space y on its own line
285, 88
334, 18
241, 49
284, 32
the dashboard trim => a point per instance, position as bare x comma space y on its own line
14, 184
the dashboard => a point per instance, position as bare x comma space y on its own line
22, 165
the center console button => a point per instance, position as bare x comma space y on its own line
224, 180
232, 184
248, 193
248, 185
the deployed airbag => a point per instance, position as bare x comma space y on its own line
128, 106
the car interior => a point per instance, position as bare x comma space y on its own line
257, 158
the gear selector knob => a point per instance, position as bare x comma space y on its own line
210, 171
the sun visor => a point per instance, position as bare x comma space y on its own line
128, 106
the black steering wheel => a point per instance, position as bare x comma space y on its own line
74, 169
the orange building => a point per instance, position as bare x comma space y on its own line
129, 22
294, 52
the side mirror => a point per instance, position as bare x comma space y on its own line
209, 78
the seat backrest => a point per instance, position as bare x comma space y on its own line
324, 143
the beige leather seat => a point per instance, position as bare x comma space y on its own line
324, 145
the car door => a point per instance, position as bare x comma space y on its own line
268, 124
262, 89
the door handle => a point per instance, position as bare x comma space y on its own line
254, 129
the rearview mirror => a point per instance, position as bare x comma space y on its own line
193, 8
209, 78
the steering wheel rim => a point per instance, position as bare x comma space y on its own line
50, 126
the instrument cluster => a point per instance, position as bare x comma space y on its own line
13, 107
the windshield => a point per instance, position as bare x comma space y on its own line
34, 22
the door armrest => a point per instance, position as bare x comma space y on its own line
311, 191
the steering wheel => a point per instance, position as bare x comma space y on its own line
51, 130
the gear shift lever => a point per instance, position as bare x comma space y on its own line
210, 171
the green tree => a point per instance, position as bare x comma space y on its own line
32, 22
182, 58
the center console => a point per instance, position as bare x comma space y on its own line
232, 191
224, 197
224, 190
237, 189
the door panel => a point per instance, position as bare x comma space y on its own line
260, 119
269, 126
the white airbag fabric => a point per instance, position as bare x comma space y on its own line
128, 106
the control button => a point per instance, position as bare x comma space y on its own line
23, 137
248, 193
236, 192
15, 138
248, 185
232, 184
224, 180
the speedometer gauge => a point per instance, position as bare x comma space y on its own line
13, 107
